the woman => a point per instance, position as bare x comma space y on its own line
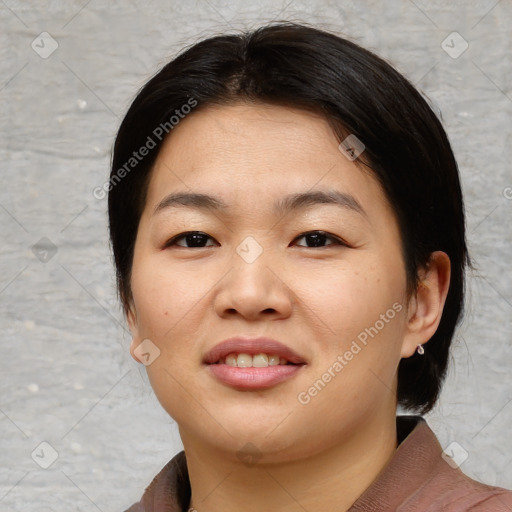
287, 224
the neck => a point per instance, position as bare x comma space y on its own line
331, 479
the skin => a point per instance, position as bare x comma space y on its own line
316, 300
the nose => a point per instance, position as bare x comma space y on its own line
254, 290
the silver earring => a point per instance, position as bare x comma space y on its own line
420, 350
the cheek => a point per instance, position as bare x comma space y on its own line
170, 312
351, 298
362, 312
165, 297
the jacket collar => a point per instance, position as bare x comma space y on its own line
418, 455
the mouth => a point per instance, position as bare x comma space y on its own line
260, 360
249, 364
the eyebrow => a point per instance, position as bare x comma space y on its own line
292, 202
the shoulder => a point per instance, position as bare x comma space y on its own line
424, 477
500, 501
454, 491
480, 499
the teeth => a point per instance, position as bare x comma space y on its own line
231, 360
260, 360
244, 361
273, 360
256, 361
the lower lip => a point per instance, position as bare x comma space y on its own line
253, 378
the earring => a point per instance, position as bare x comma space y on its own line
420, 350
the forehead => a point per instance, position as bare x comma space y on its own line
246, 133
254, 153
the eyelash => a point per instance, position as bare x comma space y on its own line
337, 240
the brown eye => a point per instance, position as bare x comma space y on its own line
318, 238
192, 238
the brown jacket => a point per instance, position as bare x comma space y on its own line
417, 479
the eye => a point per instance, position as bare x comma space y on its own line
317, 238
194, 238
197, 239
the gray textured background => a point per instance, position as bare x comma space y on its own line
67, 377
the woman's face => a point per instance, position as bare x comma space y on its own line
257, 270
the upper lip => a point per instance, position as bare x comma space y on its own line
251, 346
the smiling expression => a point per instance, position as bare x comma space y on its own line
256, 225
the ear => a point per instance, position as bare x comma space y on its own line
426, 304
131, 318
